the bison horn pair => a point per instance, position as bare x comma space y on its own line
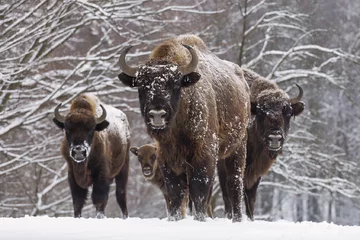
61, 118
298, 97
131, 71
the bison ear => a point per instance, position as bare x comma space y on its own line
127, 80
253, 108
298, 108
58, 123
190, 79
101, 126
134, 150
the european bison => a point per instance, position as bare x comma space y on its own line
147, 157
197, 107
96, 150
272, 110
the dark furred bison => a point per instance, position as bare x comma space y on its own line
272, 110
147, 157
96, 150
197, 107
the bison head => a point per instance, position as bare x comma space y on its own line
273, 110
80, 127
159, 86
147, 157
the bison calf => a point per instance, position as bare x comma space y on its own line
96, 150
147, 157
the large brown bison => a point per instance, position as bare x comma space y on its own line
272, 110
96, 150
197, 107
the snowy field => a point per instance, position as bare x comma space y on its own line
46, 228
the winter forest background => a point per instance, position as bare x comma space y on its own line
53, 50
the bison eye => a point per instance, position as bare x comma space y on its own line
153, 158
287, 110
91, 133
260, 110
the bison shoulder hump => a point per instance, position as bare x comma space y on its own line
173, 51
85, 101
192, 40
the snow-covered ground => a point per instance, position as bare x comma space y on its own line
41, 228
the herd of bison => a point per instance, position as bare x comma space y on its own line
202, 113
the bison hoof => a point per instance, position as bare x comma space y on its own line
125, 216
237, 218
229, 216
200, 217
100, 215
173, 218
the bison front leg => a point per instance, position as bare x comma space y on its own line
201, 179
235, 172
250, 198
209, 208
176, 192
78, 194
100, 196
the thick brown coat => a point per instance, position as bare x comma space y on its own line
272, 110
206, 113
108, 157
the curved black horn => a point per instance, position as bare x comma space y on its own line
194, 61
130, 71
58, 116
102, 117
298, 97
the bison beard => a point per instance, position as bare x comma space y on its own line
96, 151
196, 106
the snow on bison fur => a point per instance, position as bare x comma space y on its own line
197, 107
272, 110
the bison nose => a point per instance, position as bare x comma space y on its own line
157, 113
79, 153
275, 141
147, 171
78, 148
157, 117
275, 137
